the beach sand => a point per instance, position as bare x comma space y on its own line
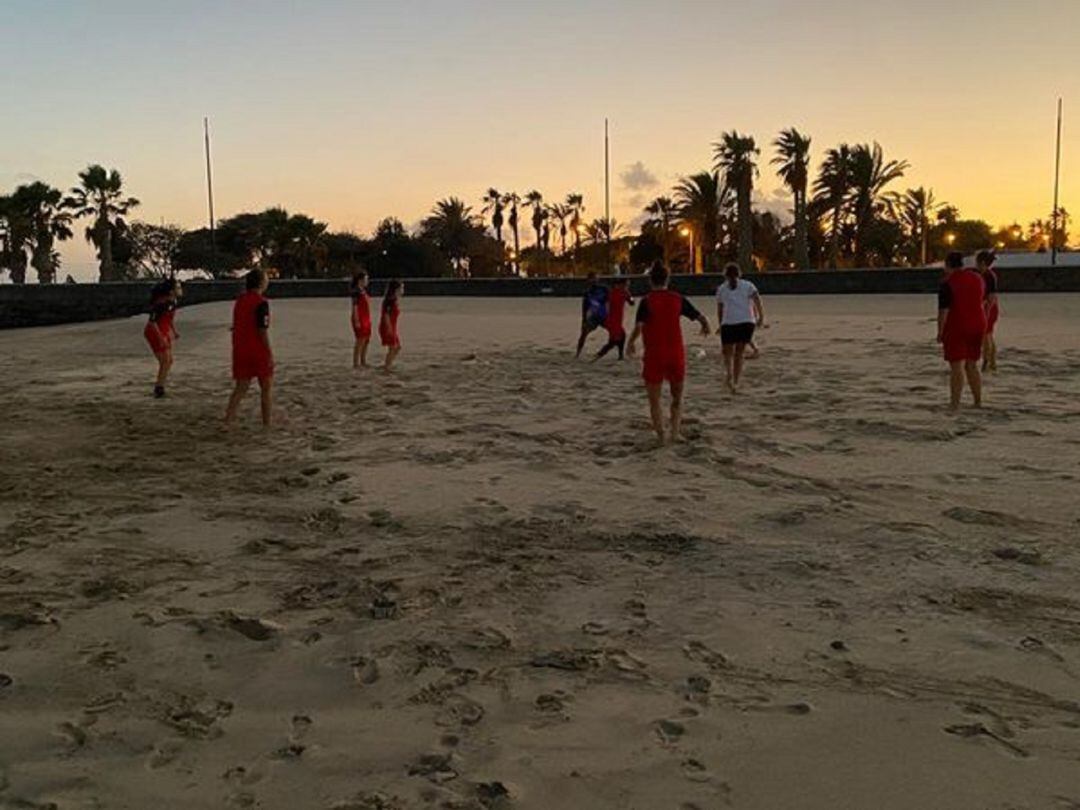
479, 584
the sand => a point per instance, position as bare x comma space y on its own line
478, 583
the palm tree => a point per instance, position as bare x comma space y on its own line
451, 226
16, 234
49, 221
870, 174
793, 160
735, 155
701, 200
831, 191
913, 210
513, 200
100, 195
493, 204
561, 213
662, 212
602, 231
576, 204
535, 201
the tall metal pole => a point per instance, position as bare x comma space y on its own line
607, 197
210, 196
1057, 185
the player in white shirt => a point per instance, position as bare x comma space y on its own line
740, 311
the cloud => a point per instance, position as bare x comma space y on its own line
636, 201
637, 178
778, 202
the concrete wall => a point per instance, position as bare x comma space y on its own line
37, 305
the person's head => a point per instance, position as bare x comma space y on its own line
619, 282
394, 288
256, 280
592, 277
163, 289
359, 280
954, 261
659, 275
985, 259
732, 273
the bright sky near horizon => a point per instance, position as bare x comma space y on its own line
353, 111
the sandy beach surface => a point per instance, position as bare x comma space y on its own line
479, 584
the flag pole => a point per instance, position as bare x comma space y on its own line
210, 196
1057, 186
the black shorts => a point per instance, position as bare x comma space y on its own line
593, 322
732, 333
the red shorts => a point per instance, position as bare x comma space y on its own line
246, 367
363, 331
658, 371
390, 339
159, 341
964, 346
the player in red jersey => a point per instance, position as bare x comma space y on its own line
984, 261
962, 327
618, 299
361, 318
658, 321
388, 322
160, 331
252, 357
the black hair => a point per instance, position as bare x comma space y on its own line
254, 279
621, 281
392, 288
162, 288
955, 260
732, 273
986, 257
354, 285
658, 274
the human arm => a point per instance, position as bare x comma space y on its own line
640, 317
944, 302
262, 323
759, 308
691, 312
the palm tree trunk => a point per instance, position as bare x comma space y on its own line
746, 230
802, 243
834, 238
104, 247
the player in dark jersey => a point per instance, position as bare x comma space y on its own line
658, 321
984, 261
360, 318
962, 327
388, 322
618, 300
160, 331
252, 357
594, 310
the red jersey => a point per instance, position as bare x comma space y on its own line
362, 310
251, 354
617, 301
964, 294
388, 322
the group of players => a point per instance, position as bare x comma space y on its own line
968, 311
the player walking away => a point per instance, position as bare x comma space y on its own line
594, 310
252, 358
388, 322
360, 318
962, 327
658, 321
617, 302
739, 310
984, 261
160, 331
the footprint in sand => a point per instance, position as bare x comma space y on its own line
669, 731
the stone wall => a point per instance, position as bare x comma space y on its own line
37, 305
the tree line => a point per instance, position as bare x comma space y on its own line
848, 213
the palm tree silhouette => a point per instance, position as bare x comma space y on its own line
662, 211
16, 234
50, 220
576, 204
513, 201
100, 195
701, 201
831, 189
735, 157
535, 201
870, 174
561, 213
451, 226
793, 160
493, 204
913, 210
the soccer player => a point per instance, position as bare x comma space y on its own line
739, 310
361, 318
658, 321
962, 327
252, 357
388, 322
594, 309
617, 301
160, 331
984, 261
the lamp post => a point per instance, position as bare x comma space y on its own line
689, 234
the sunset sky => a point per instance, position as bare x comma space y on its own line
353, 111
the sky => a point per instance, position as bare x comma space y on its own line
354, 111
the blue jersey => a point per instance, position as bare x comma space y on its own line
594, 305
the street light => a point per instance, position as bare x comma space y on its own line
689, 234
950, 238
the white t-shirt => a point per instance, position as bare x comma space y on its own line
738, 306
